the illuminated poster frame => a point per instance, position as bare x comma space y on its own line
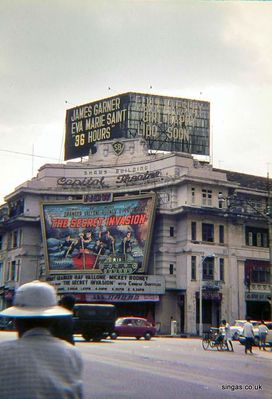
108, 238
166, 123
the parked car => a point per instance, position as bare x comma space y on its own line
94, 321
6, 323
236, 329
133, 327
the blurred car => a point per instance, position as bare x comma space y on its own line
236, 329
268, 337
133, 327
94, 321
6, 323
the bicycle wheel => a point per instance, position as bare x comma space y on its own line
205, 343
219, 346
222, 346
212, 344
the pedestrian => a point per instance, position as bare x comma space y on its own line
63, 327
263, 331
249, 335
38, 365
227, 336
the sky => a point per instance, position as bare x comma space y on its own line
56, 54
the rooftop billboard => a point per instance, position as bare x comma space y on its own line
109, 238
166, 123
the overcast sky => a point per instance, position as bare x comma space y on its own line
55, 54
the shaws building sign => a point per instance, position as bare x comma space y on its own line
166, 123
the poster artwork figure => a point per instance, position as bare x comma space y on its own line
84, 243
127, 244
86, 256
99, 247
109, 242
68, 245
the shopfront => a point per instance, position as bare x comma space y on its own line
211, 309
258, 305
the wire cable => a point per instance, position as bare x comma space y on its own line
29, 155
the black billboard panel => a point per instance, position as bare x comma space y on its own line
166, 123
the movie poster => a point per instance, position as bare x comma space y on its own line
108, 238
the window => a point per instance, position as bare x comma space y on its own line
257, 272
249, 239
221, 234
221, 269
220, 200
207, 232
260, 274
1, 274
193, 268
14, 239
193, 195
259, 240
172, 231
193, 231
256, 237
13, 270
16, 208
206, 197
171, 268
265, 241
208, 269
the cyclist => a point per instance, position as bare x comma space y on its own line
221, 334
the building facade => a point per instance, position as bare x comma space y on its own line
209, 238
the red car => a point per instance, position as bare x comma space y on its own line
133, 327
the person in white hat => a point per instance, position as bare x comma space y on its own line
38, 365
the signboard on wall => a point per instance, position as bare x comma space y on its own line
108, 284
257, 296
108, 238
166, 123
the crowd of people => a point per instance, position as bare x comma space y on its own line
248, 335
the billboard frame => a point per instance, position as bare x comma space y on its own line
172, 124
117, 200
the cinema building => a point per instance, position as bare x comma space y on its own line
155, 233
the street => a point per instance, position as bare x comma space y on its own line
171, 368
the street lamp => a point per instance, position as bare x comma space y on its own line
203, 258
